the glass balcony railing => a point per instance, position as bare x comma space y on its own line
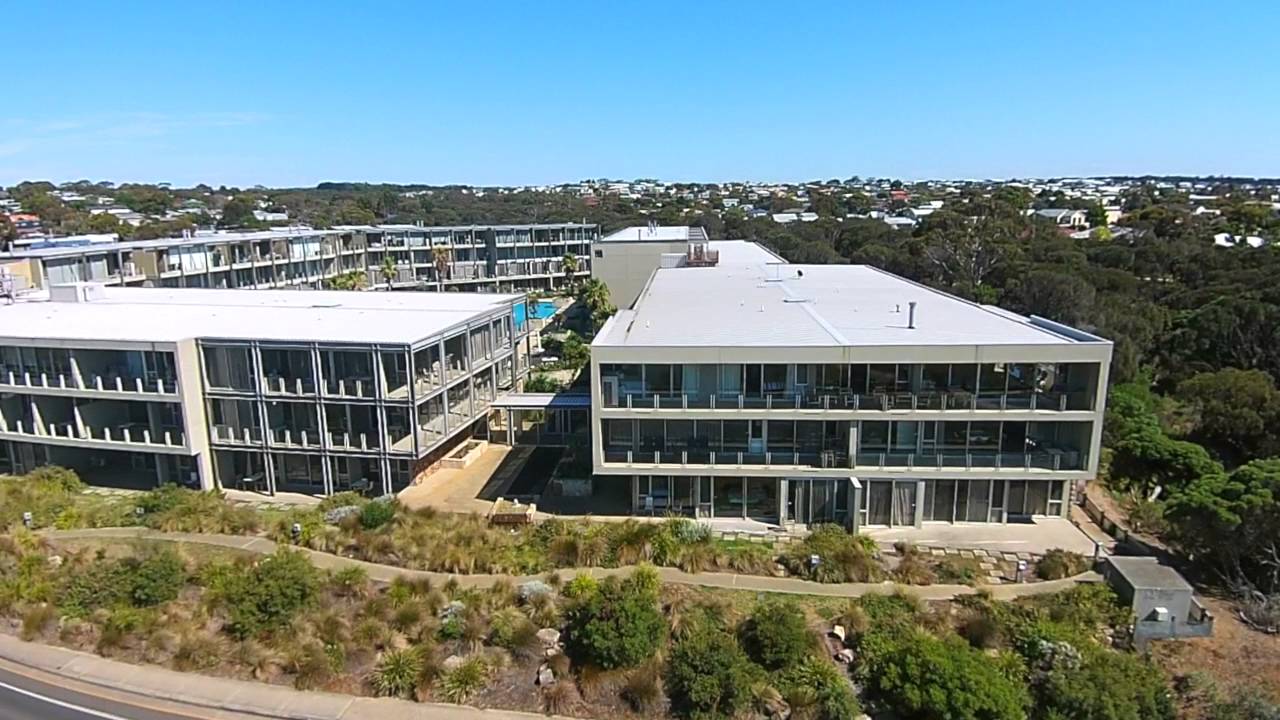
1044, 460
884, 402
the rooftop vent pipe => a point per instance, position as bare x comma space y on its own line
911, 315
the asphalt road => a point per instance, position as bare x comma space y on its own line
25, 699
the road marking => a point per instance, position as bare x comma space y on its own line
60, 703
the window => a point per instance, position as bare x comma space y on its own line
599, 253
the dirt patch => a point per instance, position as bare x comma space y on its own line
1235, 657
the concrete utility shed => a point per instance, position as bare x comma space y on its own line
1163, 601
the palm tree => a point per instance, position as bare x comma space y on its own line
388, 270
569, 263
440, 258
594, 294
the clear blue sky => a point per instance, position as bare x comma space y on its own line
540, 92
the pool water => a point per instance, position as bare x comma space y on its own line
542, 310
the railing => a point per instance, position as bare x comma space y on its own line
240, 436
886, 402
279, 385
1057, 460
692, 456
130, 434
100, 383
350, 387
354, 441
295, 438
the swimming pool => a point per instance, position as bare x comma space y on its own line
542, 310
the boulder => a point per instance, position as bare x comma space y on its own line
546, 676
550, 637
845, 656
452, 662
838, 632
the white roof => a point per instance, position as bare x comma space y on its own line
171, 315
756, 304
658, 233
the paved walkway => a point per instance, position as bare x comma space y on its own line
464, 490
728, 581
1033, 538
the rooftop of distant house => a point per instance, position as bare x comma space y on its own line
171, 315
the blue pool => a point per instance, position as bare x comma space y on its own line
543, 309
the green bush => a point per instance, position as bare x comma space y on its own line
99, 584
776, 635
842, 556
341, 499
461, 683
60, 478
708, 675
377, 513
268, 595
618, 624
157, 577
919, 676
830, 686
1105, 685
396, 673
1058, 563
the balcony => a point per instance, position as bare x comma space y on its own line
874, 402
1054, 460
123, 434
730, 458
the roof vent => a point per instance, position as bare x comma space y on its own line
911, 315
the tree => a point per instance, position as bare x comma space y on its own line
541, 383
618, 624
237, 212
441, 259
1231, 524
1234, 411
709, 676
573, 352
966, 250
1055, 295
569, 265
776, 635
388, 269
8, 233
594, 294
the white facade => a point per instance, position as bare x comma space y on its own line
803, 394
273, 390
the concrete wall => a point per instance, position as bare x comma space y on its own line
194, 421
1176, 600
625, 267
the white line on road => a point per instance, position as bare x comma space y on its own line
60, 703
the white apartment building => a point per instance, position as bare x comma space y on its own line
796, 394
491, 258
313, 392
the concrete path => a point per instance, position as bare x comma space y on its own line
1034, 538
728, 581
107, 685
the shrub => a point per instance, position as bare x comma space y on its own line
396, 673
155, 578
917, 675
965, 571
619, 624
377, 513
268, 595
36, 619
58, 477
832, 691
1105, 685
197, 651
982, 631
350, 581
559, 699
708, 675
643, 688
96, 585
342, 499
1058, 563
461, 683
842, 556
776, 635
913, 568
